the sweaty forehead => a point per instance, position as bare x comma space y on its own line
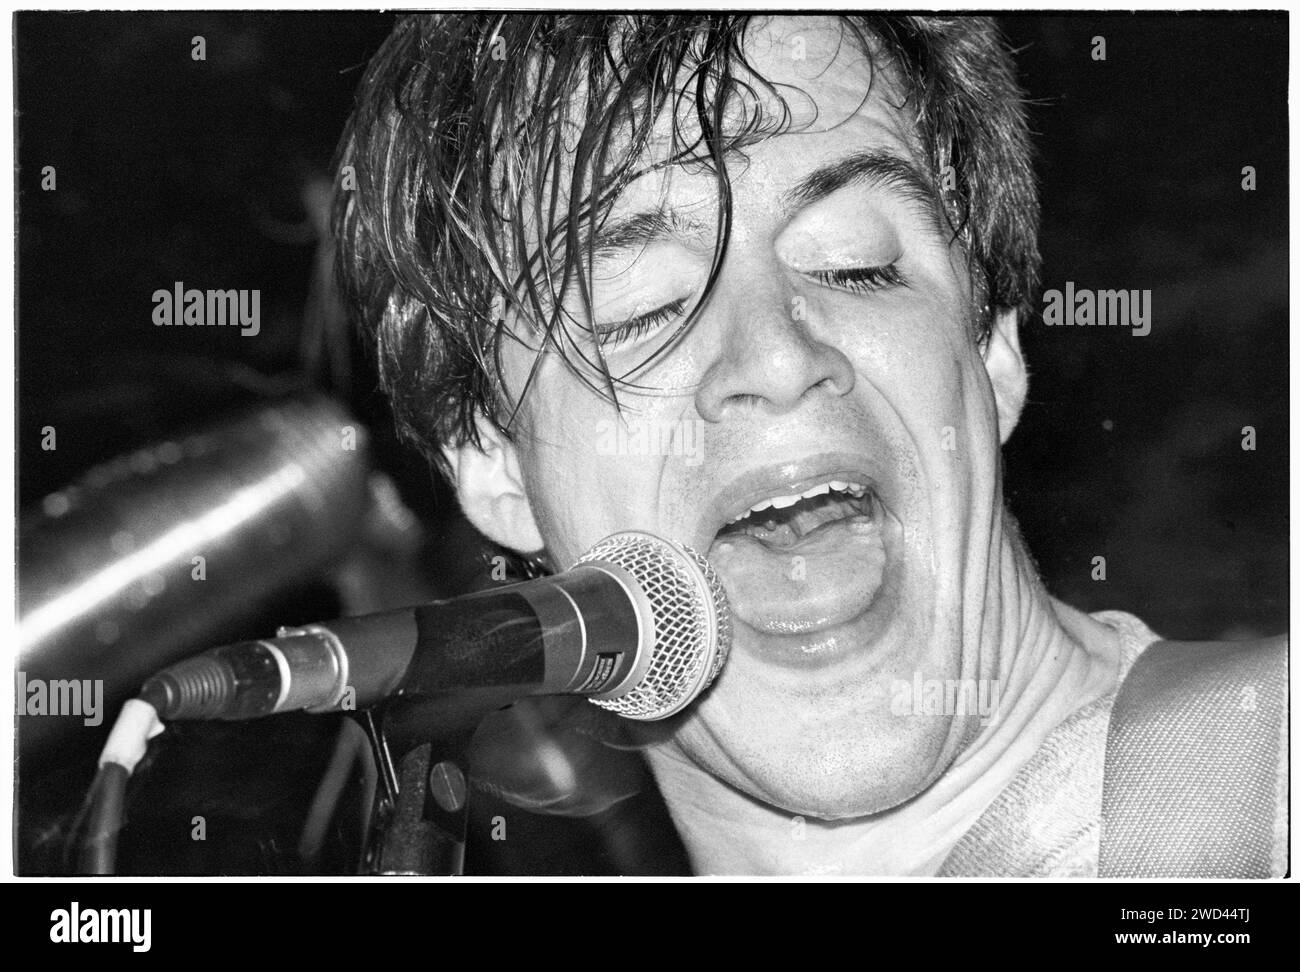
796, 76
800, 75
834, 97
822, 69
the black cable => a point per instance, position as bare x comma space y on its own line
72, 840
350, 746
104, 821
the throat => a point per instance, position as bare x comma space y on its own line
726, 832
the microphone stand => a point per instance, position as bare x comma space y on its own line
420, 818
421, 749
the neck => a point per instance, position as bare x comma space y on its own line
1052, 661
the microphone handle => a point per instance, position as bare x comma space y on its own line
588, 631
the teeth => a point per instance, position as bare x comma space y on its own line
781, 502
856, 490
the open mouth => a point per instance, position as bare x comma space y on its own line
783, 522
805, 555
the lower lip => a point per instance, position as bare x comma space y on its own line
831, 577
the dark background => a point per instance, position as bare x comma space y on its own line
1130, 448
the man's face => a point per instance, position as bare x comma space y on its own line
831, 378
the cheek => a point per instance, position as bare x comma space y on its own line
579, 487
587, 469
924, 381
546, 487
550, 435
913, 350
563, 502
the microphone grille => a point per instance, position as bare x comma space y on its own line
692, 622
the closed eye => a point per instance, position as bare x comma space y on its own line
635, 327
854, 279
860, 280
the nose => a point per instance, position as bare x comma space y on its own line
770, 359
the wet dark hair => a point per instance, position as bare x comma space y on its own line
487, 149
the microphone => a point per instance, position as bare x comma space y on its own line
640, 625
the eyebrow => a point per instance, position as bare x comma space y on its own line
884, 169
642, 229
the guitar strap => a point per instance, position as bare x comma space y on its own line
1196, 767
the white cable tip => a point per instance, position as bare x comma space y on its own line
136, 724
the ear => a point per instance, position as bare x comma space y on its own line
1006, 369
490, 487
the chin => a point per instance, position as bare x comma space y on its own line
858, 767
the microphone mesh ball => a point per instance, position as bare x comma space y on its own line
692, 622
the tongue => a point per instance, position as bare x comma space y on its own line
785, 527
827, 576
